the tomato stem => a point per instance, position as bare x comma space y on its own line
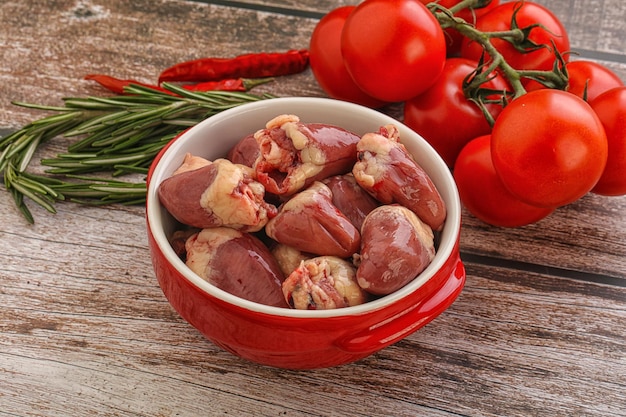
518, 37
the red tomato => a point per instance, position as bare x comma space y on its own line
593, 76
596, 77
393, 49
327, 62
529, 13
442, 114
549, 148
484, 195
611, 109
453, 37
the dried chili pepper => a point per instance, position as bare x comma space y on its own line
243, 66
117, 85
231, 84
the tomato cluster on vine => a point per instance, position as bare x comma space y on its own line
494, 88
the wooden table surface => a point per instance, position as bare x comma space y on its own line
539, 330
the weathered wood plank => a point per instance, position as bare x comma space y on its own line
588, 235
511, 342
86, 330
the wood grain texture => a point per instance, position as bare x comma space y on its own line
85, 330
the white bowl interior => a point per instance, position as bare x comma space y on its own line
212, 139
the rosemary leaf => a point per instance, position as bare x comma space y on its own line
66, 163
94, 104
55, 119
136, 140
38, 187
135, 190
41, 179
28, 153
19, 203
77, 156
40, 107
94, 123
20, 143
134, 135
87, 142
40, 199
111, 161
121, 169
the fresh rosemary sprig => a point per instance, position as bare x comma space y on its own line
116, 135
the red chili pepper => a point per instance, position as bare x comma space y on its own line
233, 84
243, 66
117, 85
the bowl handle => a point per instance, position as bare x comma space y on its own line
407, 321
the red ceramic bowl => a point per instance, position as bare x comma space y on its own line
298, 339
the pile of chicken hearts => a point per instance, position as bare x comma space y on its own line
306, 215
